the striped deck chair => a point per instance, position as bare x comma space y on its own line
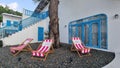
79, 47
43, 50
24, 46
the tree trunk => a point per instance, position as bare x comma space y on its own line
53, 23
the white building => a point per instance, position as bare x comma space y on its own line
32, 27
80, 12
9, 19
71, 10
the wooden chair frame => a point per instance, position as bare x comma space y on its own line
26, 48
51, 50
78, 51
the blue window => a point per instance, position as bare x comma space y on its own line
8, 23
15, 23
92, 31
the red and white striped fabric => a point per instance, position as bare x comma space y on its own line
43, 48
20, 47
79, 46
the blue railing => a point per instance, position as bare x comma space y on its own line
27, 12
34, 18
8, 30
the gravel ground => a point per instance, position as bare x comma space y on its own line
61, 58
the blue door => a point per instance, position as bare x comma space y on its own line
89, 32
92, 31
40, 33
95, 34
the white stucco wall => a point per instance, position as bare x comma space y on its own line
29, 32
25, 16
11, 17
70, 10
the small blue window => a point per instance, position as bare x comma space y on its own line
15, 24
8, 23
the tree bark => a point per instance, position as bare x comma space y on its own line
53, 23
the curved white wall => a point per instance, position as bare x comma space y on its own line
30, 32
70, 10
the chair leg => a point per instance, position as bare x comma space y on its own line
73, 48
79, 54
89, 54
29, 48
16, 53
36, 58
51, 49
45, 57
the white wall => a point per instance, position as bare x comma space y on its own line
70, 10
30, 32
11, 18
25, 16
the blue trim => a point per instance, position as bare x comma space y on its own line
99, 35
106, 31
88, 22
82, 38
102, 14
70, 30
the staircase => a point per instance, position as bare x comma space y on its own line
41, 6
28, 26
33, 19
29, 32
9, 30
